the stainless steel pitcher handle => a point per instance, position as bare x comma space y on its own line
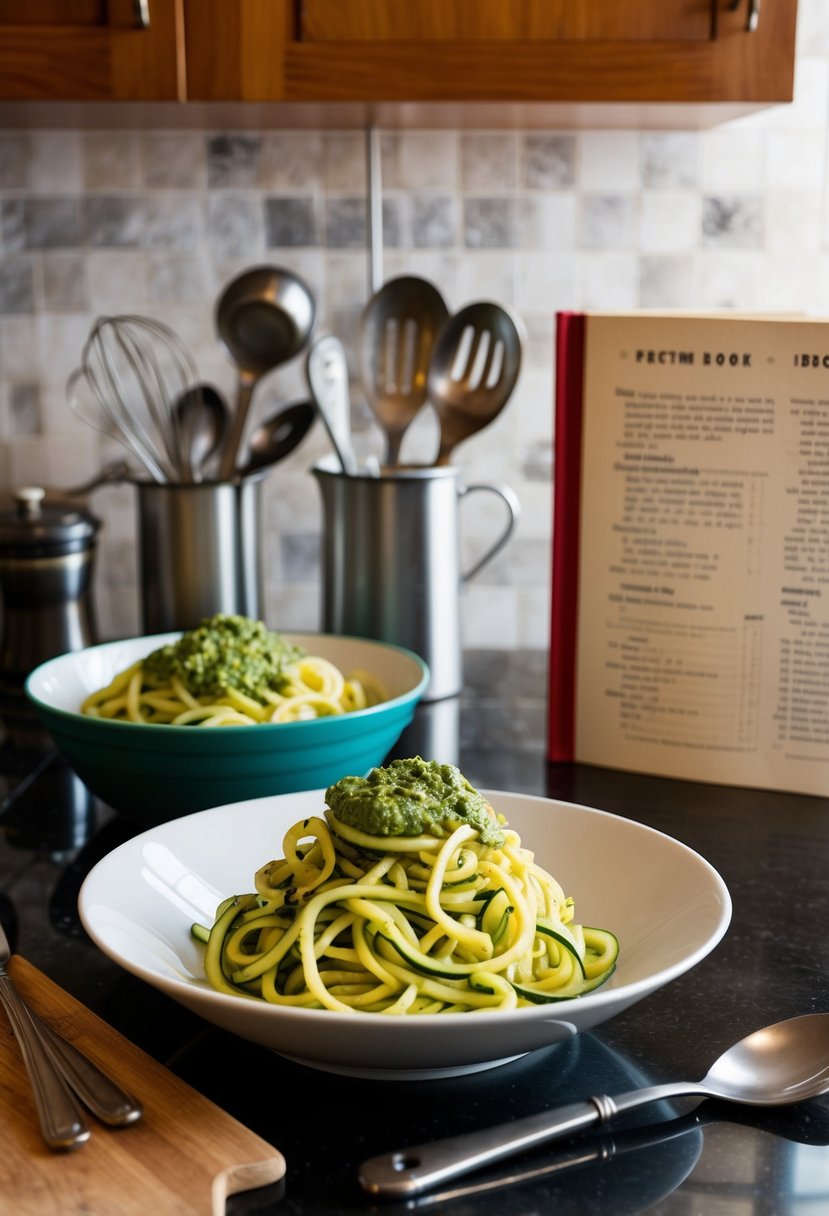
513, 507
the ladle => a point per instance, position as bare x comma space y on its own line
203, 419
780, 1064
398, 330
264, 317
473, 370
275, 438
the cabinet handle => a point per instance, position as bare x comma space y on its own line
141, 10
753, 20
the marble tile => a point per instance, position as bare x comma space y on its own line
345, 223
733, 161
15, 152
548, 161
609, 280
178, 278
56, 162
670, 160
235, 225
344, 165
300, 557
670, 221
726, 279
490, 223
428, 160
732, 221
113, 221
111, 160
233, 160
545, 283
434, 221
796, 160
554, 220
175, 160
291, 161
20, 357
793, 221
43, 223
609, 221
16, 285
485, 274
291, 222
117, 280
173, 221
65, 284
666, 281
489, 161
609, 161
24, 410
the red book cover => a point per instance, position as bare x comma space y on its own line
569, 383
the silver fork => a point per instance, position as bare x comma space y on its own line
58, 1071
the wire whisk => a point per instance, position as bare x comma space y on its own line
133, 370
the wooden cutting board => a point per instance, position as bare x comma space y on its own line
183, 1158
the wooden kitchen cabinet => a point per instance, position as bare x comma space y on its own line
91, 50
398, 51
488, 50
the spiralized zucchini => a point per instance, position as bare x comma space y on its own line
311, 687
403, 925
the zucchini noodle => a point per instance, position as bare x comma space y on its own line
313, 688
231, 671
403, 925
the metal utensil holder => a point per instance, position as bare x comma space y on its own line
199, 551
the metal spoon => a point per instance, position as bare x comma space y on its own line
203, 419
474, 367
780, 1064
264, 317
275, 438
399, 326
327, 371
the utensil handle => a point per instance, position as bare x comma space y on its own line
412, 1170
61, 1122
238, 418
514, 514
99, 1092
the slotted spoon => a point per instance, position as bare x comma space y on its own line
473, 370
399, 326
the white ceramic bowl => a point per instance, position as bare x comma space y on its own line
666, 904
155, 773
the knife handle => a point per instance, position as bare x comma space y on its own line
98, 1092
61, 1122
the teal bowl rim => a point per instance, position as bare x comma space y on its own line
258, 730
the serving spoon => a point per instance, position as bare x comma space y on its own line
473, 370
778, 1065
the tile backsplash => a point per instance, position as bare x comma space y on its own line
156, 222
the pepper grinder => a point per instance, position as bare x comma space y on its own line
47, 552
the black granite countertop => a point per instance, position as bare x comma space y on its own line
771, 849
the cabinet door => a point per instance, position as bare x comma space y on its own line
491, 50
91, 50
496, 21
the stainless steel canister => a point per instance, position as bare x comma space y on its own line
391, 560
199, 551
47, 555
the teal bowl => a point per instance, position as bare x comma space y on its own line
151, 774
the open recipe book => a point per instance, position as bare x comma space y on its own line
690, 605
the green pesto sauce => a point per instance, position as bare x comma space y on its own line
224, 652
413, 798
